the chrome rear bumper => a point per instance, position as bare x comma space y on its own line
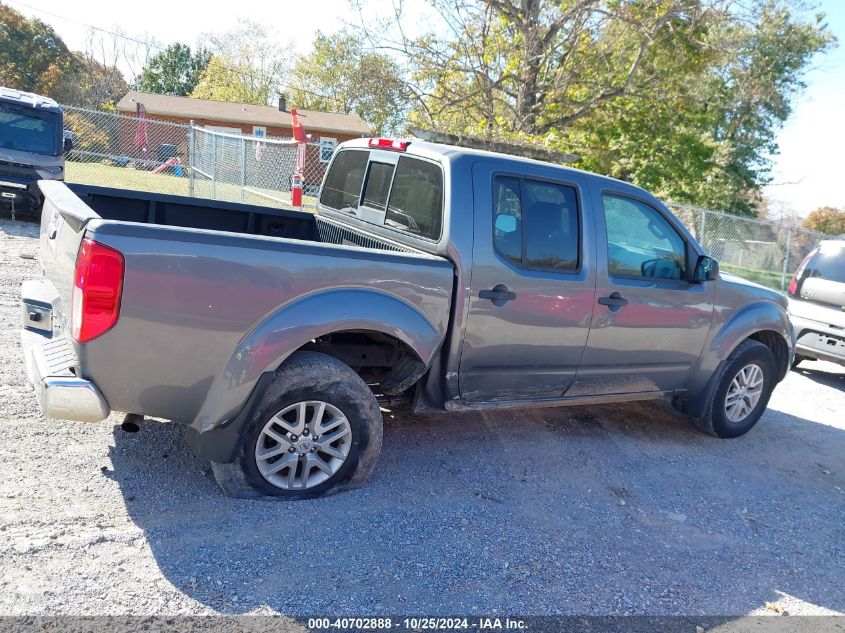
61, 394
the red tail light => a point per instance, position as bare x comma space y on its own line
793, 284
97, 286
388, 143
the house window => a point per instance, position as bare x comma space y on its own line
260, 131
327, 146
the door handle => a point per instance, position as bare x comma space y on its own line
615, 300
499, 294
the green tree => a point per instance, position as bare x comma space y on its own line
680, 96
826, 220
32, 55
340, 75
175, 71
90, 84
246, 65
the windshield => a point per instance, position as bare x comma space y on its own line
28, 130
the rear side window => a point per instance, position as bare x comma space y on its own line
828, 263
344, 180
536, 223
416, 199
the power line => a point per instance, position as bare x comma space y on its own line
153, 45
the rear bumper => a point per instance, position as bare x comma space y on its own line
61, 394
52, 366
818, 340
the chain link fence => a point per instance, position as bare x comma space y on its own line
763, 251
253, 170
147, 154
159, 156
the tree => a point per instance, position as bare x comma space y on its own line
246, 65
90, 84
826, 220
32, 55
339, 75
680, 96
175, 71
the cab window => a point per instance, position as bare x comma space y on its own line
343, 182
641, 242
416, 199
535, 223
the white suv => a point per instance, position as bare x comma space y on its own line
817, 304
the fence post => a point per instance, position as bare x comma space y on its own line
243, 167
191, 158
214, 167
703, 222
786, 260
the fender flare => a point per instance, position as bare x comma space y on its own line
268, 344
756, 317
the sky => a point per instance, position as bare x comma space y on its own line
808, 173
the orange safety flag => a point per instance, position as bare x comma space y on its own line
298, 130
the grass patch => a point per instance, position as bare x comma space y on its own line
768, 278
140, 180
125, 178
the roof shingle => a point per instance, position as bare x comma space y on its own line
188, 108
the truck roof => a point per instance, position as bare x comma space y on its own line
28, 99
437, 151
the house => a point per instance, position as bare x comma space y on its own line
326, 129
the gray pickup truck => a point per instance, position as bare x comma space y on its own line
454, 279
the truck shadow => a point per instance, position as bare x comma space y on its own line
582, 510
826, 374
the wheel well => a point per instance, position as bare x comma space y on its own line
780, 350
380, 359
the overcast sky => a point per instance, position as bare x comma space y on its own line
809, 172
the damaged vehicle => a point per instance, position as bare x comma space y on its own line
447, 278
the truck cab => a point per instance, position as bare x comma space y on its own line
32, 145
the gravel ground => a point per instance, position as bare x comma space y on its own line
582, 510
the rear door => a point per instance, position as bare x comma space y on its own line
649, 323
532, 285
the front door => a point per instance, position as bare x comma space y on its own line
649, 322
532, 287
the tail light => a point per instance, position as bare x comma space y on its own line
793, 284
97, 286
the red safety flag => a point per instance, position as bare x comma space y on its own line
298, 130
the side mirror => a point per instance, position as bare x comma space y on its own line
68, 144
706, 269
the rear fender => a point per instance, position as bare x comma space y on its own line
267, 345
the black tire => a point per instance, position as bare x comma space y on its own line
308, 376
714, 421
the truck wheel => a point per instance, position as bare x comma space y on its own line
742, 393
317, 430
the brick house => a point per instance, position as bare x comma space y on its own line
326, 129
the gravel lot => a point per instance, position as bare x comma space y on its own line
584, 510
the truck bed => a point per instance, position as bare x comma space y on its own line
217, 294
214, 215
